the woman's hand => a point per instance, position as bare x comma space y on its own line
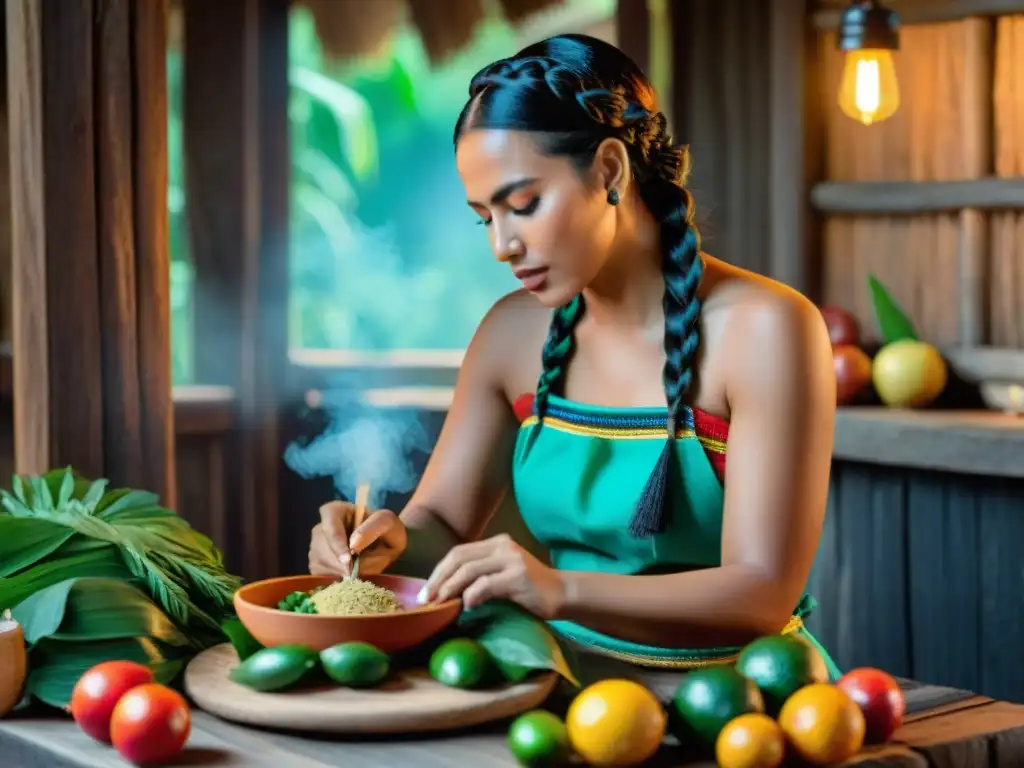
496, 568
378, 541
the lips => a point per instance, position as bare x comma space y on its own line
532, 279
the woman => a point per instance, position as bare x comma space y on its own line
604, 392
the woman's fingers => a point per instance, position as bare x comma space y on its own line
467, 574
454, 560
382, 527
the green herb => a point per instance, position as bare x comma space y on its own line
297, 602
157, 589
893, 323
518, 641
244, 643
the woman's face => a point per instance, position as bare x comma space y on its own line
551, 225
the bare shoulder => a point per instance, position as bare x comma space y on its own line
765, 333
509, 341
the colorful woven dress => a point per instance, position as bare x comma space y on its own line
576, 481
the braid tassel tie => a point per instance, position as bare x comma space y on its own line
649, 517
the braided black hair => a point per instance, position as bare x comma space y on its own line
573, 92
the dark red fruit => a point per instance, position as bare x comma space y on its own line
97, 692
880, 699
843, 327
853, 372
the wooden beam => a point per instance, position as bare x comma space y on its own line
795, 110
976, 143
910, 197
925, 11
88, 150
236, 94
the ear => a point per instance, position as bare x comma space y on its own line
611, 166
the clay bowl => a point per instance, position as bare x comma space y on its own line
256, 605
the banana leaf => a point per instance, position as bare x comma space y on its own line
105, 562
55, 667
26, 540
518, 642
77, 623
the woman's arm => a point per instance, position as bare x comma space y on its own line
781, 389
469, 468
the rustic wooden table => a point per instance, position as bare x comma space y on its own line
944, 728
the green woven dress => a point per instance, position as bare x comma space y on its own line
577, 478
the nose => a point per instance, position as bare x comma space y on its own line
507, 244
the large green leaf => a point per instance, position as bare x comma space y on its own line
42, 613
27, 540
55, 667
99, 562
893, 323
519, 643
108, 609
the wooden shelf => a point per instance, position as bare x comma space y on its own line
969, 442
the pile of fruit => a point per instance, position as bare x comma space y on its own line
776, 699
119, 703
461, 662
905, 372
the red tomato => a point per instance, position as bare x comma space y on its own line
853, 372
843, 327
98, 690
880, 699
150, 724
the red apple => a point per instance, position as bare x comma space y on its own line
843, 327
853, 372
880, 699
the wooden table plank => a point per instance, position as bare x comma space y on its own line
945, 728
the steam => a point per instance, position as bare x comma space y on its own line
362, 445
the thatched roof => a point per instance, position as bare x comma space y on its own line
349, 28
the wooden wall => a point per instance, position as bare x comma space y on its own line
919, 573
943, 131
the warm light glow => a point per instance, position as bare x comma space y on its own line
869, 92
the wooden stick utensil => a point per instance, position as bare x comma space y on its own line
362, 496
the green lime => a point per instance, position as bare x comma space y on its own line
355, 664
460, 663
780, 665
707, 699
272, 669
539, 739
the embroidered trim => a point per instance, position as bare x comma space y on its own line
685, 659
622, 427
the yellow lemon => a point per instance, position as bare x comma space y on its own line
750, 741
616, 722
908, 374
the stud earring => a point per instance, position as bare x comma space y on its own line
613, 196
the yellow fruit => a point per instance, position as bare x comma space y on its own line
823, 724
615, 722
750, 741
908, 374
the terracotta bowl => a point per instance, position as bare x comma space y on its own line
256, 605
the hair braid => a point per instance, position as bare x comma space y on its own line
572, 92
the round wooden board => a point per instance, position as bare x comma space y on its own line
412, 702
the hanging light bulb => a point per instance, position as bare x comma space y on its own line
868, 34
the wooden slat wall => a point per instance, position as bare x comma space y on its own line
1007, 228
944, 131
915, 256
918, 573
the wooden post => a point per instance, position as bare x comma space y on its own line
88, 151
976, 132
795, 146
237, 174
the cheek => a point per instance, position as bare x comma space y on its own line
584, 229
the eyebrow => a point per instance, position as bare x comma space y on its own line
502, 192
